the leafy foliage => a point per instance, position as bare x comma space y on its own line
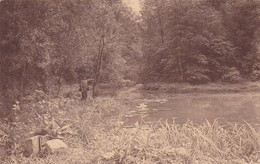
232, 76
199, 41
100, 137
45, 43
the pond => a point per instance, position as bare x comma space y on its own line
231, 107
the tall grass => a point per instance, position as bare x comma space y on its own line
174, 143
101, 137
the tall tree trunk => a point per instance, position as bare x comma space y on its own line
1, 74
61, 72
24, 78
180, 67
98, 64
160, 17
59, 81
161, 28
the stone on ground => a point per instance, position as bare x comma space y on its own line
55, 145
32, 146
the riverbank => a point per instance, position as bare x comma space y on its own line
206, 88
99, 138
97, 133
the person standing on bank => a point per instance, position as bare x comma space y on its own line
84, 88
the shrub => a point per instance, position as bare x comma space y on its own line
195, 75
197, 78
255, 75
232, 75
153, 86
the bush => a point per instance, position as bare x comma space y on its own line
127, 83
153, 86
197, 77
255, 75
232, 75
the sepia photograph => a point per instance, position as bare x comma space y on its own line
129, 81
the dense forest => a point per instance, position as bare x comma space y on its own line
201, 41
45, 44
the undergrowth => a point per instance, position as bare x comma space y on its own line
174, 143
97, 135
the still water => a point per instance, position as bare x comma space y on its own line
236, 107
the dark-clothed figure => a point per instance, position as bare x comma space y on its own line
84, 88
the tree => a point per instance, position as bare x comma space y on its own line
202, 40
45, 42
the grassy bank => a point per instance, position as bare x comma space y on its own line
96, 134
205, 88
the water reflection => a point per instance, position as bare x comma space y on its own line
198, 108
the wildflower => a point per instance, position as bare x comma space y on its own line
109, 155
142, 106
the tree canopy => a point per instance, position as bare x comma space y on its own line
200, 41
48, 42
45, 42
